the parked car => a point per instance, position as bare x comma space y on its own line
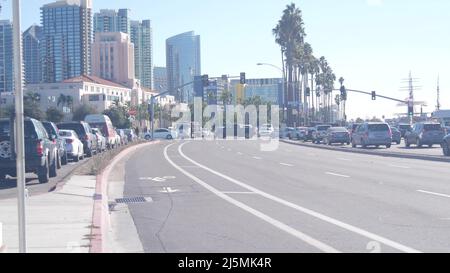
404, 128
52, 131
40, 151
266, 130
337, 135
425, 133
309, 134
396, 135
446, 145
123, 136
85, 134
132, 137
74, 146
320, 133
286, 132
352, 129
301, 132
372, 134
105, 125
159, 134
101, 140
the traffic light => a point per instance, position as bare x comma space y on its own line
205, 80
308, 92
374, 95
343, 93
410, 110
243, 79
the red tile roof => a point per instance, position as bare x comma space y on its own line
93, 79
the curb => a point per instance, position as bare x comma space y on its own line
100, 214
368, 152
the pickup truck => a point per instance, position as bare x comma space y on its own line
40, 150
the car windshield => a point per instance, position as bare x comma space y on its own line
378, 127
65, 133
78, 128
432, 127
323, 127
5, 130
338, 129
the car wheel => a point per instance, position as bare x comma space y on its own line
89, 153
59, 161
169, 137
398, 142
354, 144
43, 175
430, 146
53, 167
388, 146
446, 149
147, 137
418, 143
64, 160
407, 145
363, 144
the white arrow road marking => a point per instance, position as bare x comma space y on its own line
157, 179
278, 224
169, 190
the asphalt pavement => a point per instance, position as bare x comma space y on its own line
229, 196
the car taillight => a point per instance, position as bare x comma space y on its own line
39, 148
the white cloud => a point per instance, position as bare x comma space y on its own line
374, 3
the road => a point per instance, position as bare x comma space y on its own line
229, 196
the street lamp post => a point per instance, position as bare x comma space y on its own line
19, 136
283, 98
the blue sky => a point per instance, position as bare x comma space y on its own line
373, 44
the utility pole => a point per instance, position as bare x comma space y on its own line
19, 136
438, 105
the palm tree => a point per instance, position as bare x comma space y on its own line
289, 34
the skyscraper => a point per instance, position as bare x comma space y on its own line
67, 39
32, 38
108, 20
142, 38
6, 57
113, 57
183, 63
160, 79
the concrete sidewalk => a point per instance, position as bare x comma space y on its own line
57, 222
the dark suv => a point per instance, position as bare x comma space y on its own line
40, 151
53, 133
85, 134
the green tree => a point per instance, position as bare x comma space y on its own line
289, 35
82, 111
119, 117
54, 115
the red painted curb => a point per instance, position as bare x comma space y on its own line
100, 214
2, 249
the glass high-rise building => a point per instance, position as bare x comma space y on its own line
160, 79
183, 63
6, 57
32, 39
67, 39
108, 20
141, 34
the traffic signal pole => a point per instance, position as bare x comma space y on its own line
19, 124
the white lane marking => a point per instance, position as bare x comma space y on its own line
235, 192
400, 167
239, 153
344, 159
434, 193
338, 175
305, 238
286, 164
312, 213
257, 158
